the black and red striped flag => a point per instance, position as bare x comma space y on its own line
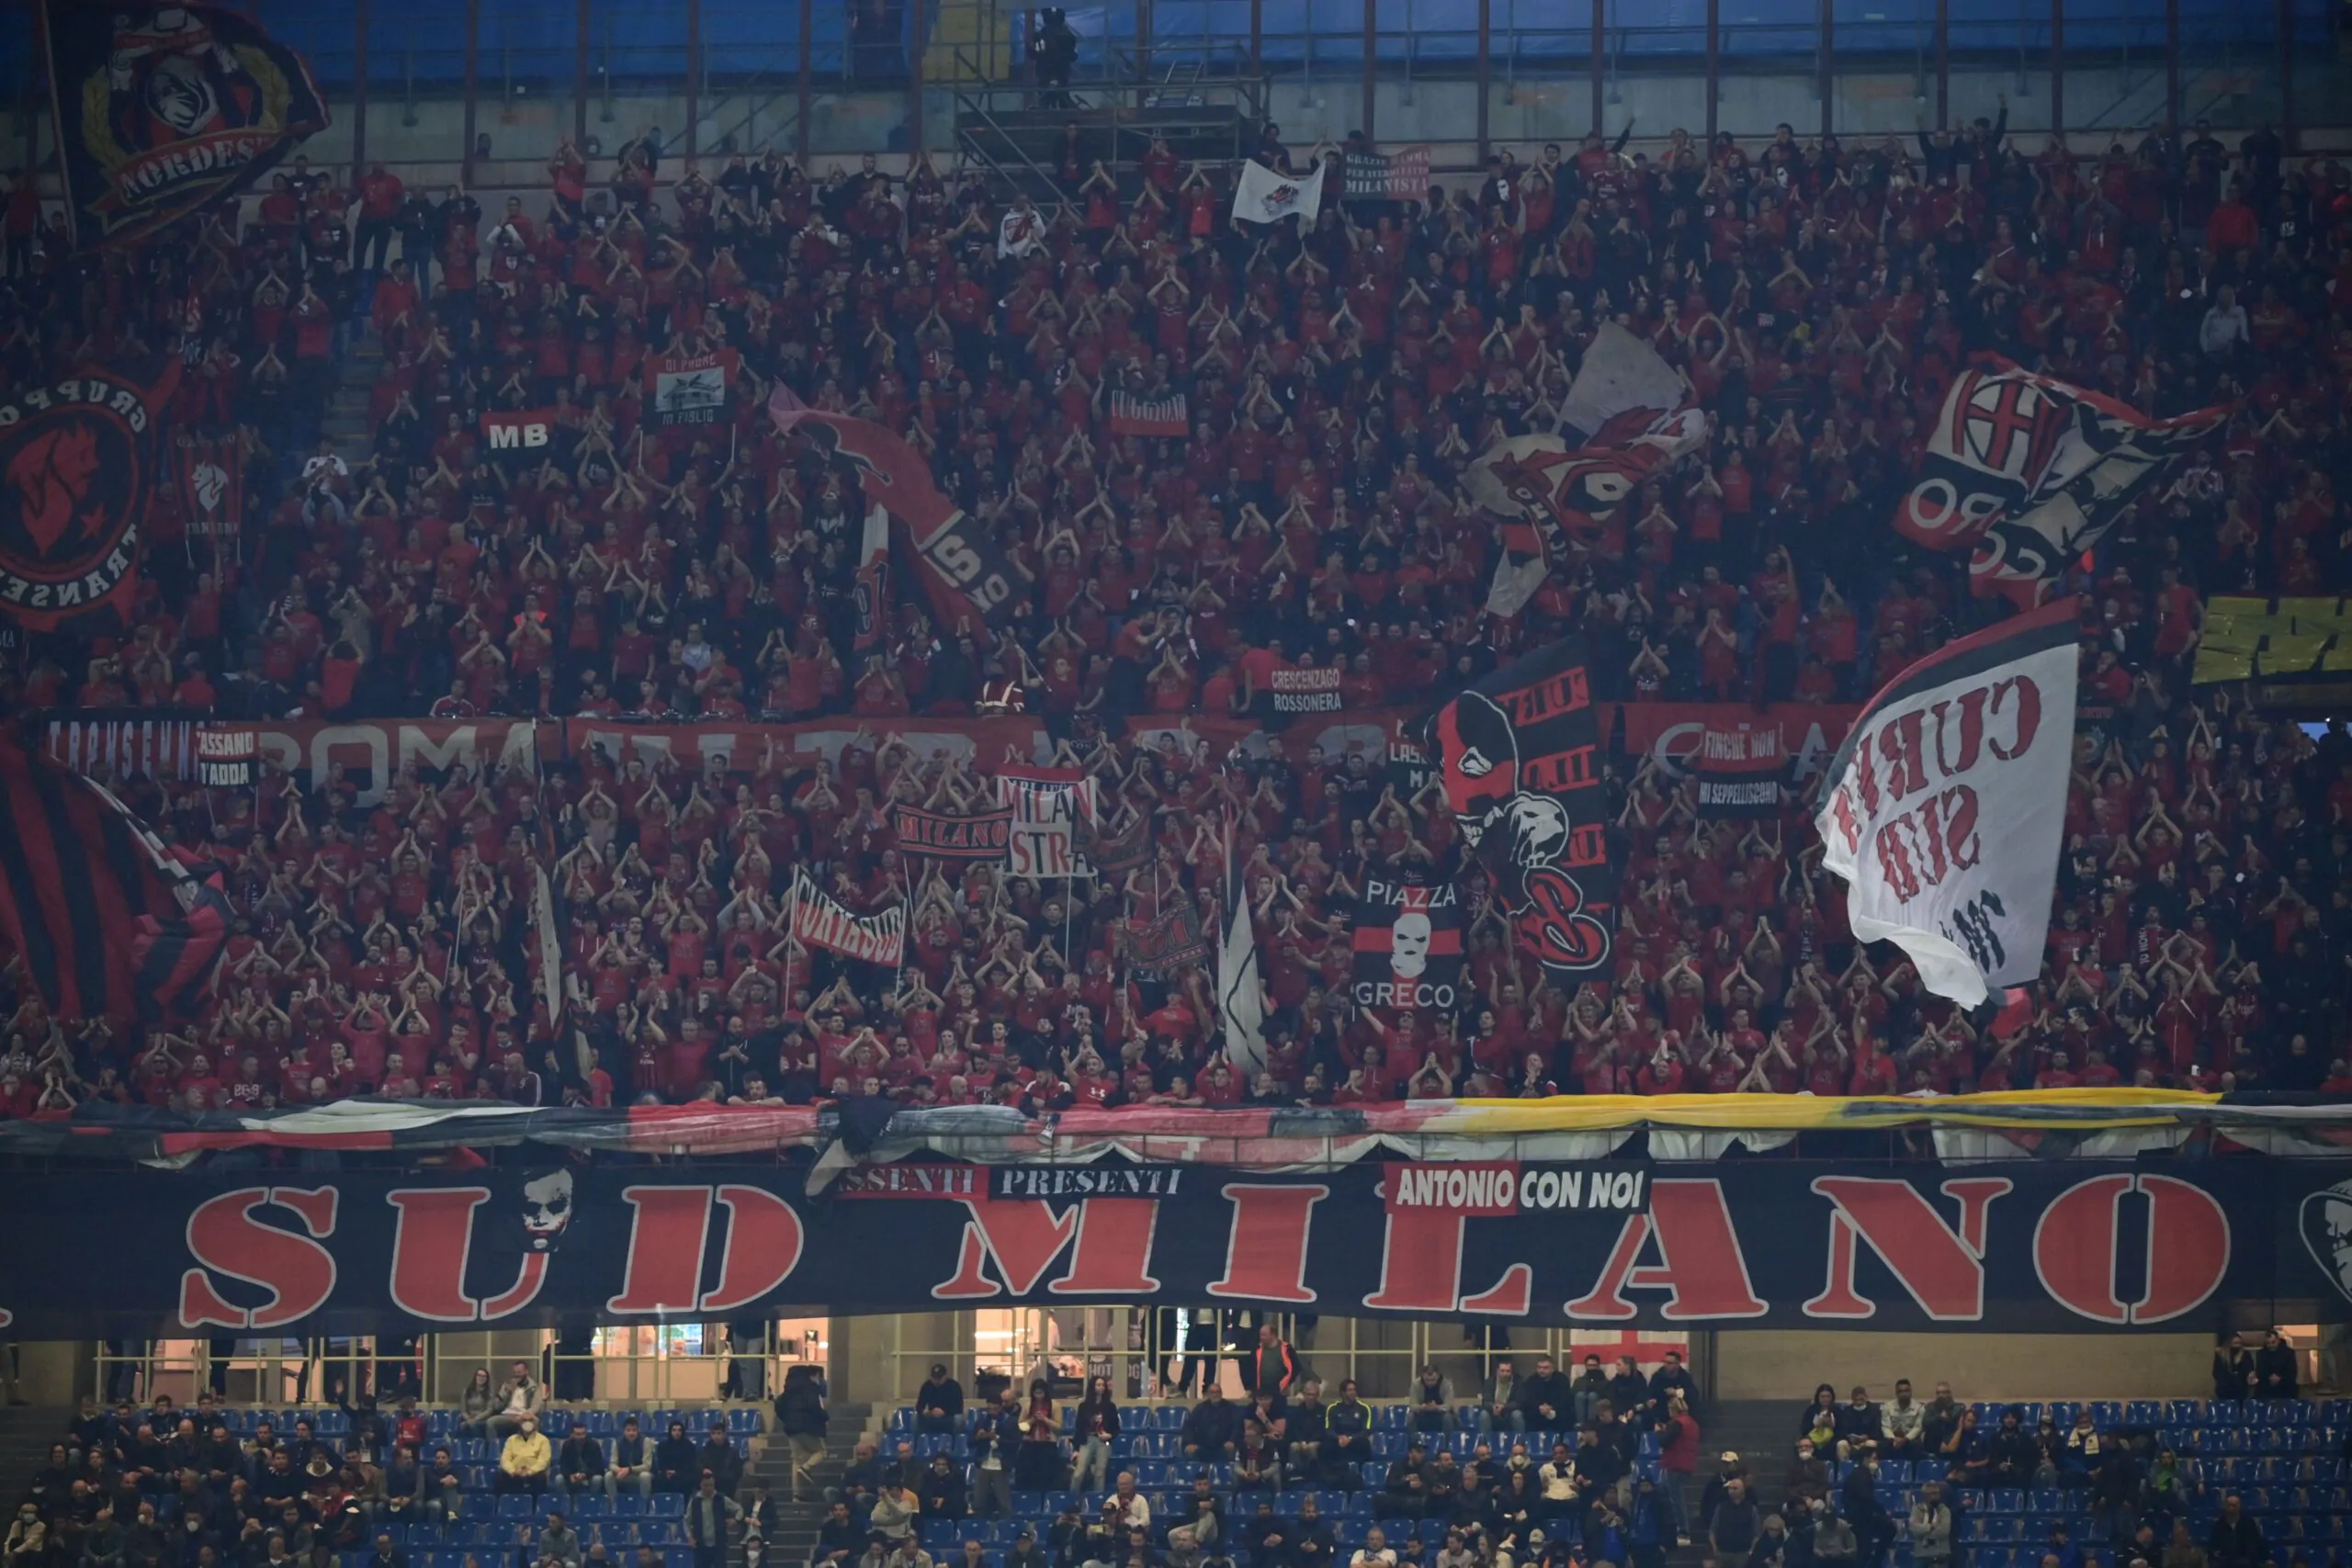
106, 922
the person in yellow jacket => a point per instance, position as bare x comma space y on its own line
525, 1460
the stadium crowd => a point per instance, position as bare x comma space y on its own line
1541, 1464
500, 1476
1819, 294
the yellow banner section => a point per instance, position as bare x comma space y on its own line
2247, 638
2047, 1108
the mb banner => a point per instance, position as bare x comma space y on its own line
2076, 1246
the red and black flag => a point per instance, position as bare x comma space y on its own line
1518, 757
212, 484
163, 108
78, 468
1408, 944
108, 922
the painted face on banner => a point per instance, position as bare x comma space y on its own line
1480, 758
2327, 1223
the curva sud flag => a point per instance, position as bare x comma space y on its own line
2029, 472
1518, 757
1947, 801
162, 108
1408, 944
78, 462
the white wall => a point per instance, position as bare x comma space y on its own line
1776, 1364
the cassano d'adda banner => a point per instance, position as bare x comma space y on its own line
2004, 1245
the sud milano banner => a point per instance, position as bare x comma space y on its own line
2022, 1248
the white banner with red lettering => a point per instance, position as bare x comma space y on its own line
1948, 803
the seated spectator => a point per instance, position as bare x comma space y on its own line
939, 1404
632, 1463
519, 1396
525, 1458
580, 1464
1212, 1430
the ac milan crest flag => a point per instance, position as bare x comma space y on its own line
78, 462
108, 923
1265, 196
1518, 757
162, 108
2029, 472
1020, 231
1947, 801
1408, 944
1739, 769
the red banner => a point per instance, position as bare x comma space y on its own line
373, 750
983, 740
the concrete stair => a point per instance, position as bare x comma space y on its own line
1762, 1432
347, 414
26, 1433
801, 1507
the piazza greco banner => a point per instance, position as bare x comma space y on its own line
2077, 1246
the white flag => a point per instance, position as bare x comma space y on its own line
1264, 197
1948, 803
1237, 996
1020, 231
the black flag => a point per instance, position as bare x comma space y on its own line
1518, 755
162, 108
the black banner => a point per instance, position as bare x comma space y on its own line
519, 438
78, 463
982, 835
1408, 944
2024, 1247
162, 107
1739, 771
1518, 757
1409, 769
1401, 175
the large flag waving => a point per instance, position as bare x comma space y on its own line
1549, 493
962, 569
1518, 758
108, 922
2030, 472
162, 107
1947, 801
79, 462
